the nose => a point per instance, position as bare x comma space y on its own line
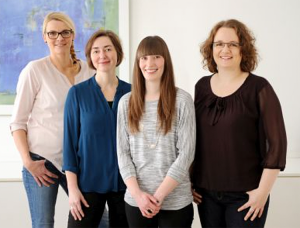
59, 37
102, 54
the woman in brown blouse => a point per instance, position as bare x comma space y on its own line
241, 139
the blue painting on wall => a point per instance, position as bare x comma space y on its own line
21, 32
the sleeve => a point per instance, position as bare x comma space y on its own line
126, 166
71, 132
186, 139
272, 122
27, 89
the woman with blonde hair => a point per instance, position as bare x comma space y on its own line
154, 149
37, 120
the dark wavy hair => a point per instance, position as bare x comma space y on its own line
246, 39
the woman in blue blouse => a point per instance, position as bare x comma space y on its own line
90, 159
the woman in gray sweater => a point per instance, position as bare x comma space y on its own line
156, 142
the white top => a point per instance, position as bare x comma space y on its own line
39, 106
150, 156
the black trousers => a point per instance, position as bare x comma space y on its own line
93, 214
182, 218
219, 209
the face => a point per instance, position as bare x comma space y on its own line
152, 67
226, 49
104, 55
59, 45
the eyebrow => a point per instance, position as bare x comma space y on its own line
103, 47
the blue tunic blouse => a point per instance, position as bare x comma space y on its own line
89, 148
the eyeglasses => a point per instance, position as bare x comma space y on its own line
64, 34
230, 45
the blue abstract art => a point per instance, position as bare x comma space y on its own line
21, 32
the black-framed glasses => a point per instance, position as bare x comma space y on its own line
230, 45
64, 34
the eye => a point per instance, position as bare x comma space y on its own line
52, 33
95, 52
234, 44
108, 49
158, 56
219, 44
66, 33
143, 58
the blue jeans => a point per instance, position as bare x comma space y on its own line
42, 200
219, 209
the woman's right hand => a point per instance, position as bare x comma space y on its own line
196, 197
76, 199
148, 204
40, 173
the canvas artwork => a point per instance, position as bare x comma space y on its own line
21, 33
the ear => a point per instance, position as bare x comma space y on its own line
45, 37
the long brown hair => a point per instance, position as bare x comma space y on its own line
246, 39
152, 45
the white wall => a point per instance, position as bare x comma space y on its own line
184, 24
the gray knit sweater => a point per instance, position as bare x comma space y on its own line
150, 155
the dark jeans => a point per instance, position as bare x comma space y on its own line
219, 209
93, 214
182, 218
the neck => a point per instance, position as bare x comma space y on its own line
61, 61
106, 79
229, 75
152, 91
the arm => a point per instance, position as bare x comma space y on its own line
186, 149
37, 169
27, 90
274, 160
258, 197
75, 196
148, 204
144, 200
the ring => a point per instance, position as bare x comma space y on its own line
71, 208
149, 211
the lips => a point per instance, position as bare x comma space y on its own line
150, 70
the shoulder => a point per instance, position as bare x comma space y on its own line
257, 82
183, 99
123, 103
36, 64
125, 99
125, 86
203, 82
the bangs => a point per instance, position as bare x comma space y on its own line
151, 46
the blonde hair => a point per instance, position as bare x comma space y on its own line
59, 16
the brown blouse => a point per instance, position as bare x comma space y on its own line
237, 136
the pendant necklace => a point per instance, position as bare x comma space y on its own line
151, 144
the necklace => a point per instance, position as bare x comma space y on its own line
150, 144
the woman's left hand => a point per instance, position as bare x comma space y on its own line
256, 204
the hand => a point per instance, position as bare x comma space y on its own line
40, 173
196, 197
148, 204
256, 204
75, 200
